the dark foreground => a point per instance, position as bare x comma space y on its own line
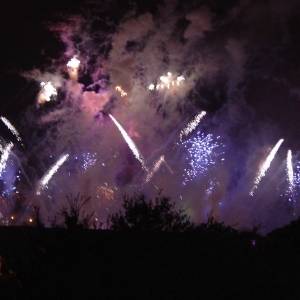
99, 264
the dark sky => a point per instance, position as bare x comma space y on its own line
240, 61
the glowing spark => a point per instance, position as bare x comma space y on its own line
289, 169
203, 153
265, 166
73, 66
11, 128
192, 124
154, 169
151, 87
73, 63
45, 179
119, 89
47, 91
167, 82
4, 156
130, 143
89, 160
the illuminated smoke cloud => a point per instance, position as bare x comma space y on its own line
265, 166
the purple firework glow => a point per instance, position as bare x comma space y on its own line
154, 68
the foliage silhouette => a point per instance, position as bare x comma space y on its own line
72, 218
153, 215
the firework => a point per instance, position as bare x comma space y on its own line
167, 82
192, 125
203, 153
4, 157
131, 144
265, 166
89, 160
45, 179
73, 66
47, 91
289, 170
122, 92
154, 169
11, 128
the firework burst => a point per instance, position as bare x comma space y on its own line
203, 152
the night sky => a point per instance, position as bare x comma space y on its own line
240, 63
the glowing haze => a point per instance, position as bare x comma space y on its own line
184, 96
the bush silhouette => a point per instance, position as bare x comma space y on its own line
153, 215
72, 218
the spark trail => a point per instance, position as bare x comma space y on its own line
265, 166
192, 125
154, 169
4, 156
45, 179
11, 128
290, 172
131, 144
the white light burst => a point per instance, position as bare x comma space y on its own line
192, 125
45, 179
203, 152
47, 91
73, 66
11, 128
167, 82
130, 143
265, 166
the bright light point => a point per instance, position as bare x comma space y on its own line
73, 63
30, 220
119, 89
265, 166
151, 87
180, 78
12, 217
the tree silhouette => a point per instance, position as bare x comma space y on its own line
72, 217
153, 215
